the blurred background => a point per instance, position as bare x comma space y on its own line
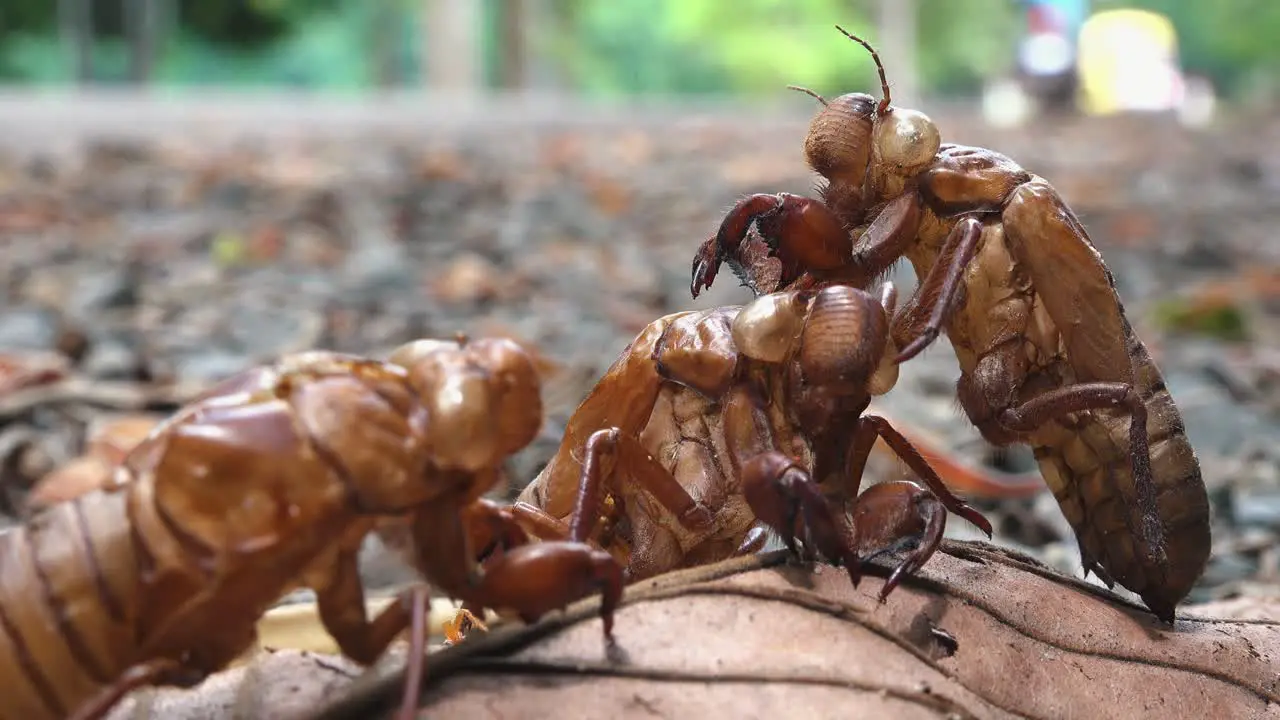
188, 188
938, 49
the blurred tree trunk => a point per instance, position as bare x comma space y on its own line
452, 33
75, 20
513, 45
385, 42
552, 35
897, 48
140, 17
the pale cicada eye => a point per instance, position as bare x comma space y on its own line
768, 327
906, 139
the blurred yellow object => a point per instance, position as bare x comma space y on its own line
297, 626
227, 249
1128, 60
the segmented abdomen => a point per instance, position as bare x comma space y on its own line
1091, 475
66, 582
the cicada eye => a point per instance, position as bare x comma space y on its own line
906, 139
768, 327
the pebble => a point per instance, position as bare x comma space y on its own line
1257, 507
29, 328
113, 359
209, 365
102, 289
263, 330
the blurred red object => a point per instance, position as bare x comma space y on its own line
961, 475
19, 370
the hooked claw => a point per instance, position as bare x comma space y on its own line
705, 266
726, 245
968, 512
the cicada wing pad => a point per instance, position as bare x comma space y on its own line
1049, 243
1072, 281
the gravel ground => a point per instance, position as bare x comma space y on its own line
156, 245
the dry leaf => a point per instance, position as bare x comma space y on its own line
982, 633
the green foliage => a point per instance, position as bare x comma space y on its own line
27, 16
32, 58
757, 47
1216, 320
963, 43
237, 24
616, 49
621, 47
764, 45
326, 49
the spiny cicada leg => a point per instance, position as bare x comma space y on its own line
895, 516
938, 292
871, 426
612, 456
784, 497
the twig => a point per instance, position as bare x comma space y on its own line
110, 395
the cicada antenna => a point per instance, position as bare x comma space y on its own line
810, 93
884, 81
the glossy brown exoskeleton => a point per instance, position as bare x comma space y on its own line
267, 483
1046, 352
715, 425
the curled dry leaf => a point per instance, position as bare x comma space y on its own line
981, 633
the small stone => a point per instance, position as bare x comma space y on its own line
104, 289
112, 359
376, 271
209, 366
1257, 507
267, 330
469, 278
29, 328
